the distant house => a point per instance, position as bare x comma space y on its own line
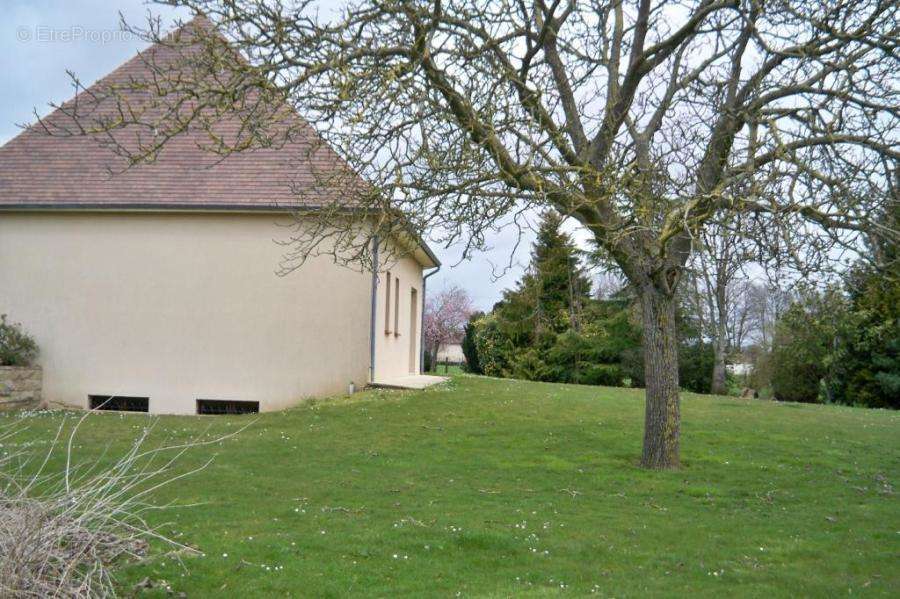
451, 352
156, 286
740, 368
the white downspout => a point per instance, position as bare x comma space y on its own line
422, 327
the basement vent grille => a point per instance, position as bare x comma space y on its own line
119, 403
226, 406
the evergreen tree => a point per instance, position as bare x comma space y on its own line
549, 328
870, 357
469, 347
552, 295
562, 286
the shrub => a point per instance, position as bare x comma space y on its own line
867, 358
761, 375
528, 364
841, 345
632, 362
805, 367
795, 379
695, 366
17, 348
610, 375
735, 384
469, 346
566, 354
494, 349
612, 331
573, 356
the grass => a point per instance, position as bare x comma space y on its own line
495, 488
447, 369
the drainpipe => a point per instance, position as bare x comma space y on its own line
374, 300
422, 328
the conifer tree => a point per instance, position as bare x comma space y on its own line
551, 296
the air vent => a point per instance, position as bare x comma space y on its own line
226, 406
119, 403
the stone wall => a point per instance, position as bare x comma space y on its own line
20, 387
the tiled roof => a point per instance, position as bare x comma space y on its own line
41, 170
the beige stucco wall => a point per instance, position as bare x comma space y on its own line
392, 350
181, 306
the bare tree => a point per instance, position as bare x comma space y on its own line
716, 271
766, 305
607, 284
739, 317
640, 119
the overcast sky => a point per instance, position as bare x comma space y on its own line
41, 39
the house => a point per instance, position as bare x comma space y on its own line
156, 287
740, 368
451, 352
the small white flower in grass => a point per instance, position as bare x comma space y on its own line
224, 555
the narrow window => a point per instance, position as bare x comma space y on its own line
387, 305
396, 307
226, 406
119, 403
413, 328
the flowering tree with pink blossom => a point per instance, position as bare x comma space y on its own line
446, 313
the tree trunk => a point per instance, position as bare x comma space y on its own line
434, 356
720, 343
662, 417
718, 375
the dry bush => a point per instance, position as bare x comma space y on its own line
61, 531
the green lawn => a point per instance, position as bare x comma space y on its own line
496, 488
445, 369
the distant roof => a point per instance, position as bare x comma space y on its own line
40, 170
